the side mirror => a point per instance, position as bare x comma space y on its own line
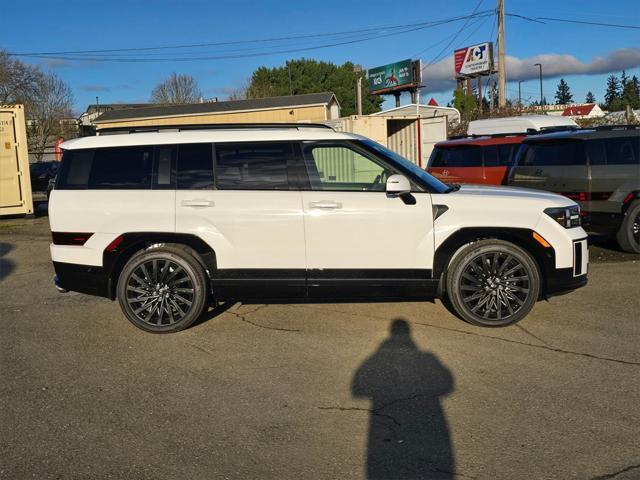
398, 185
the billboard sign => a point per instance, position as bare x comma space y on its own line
394, 76
474, 61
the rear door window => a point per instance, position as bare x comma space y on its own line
462, 156
253, 166
544, 154
195, 166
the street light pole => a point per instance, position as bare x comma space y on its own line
519, 94
539, 65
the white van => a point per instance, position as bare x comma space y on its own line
520, 125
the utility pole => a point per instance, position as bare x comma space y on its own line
502, 78
480, 94
357, 69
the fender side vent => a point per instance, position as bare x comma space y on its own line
439, 210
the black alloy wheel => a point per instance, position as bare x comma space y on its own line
162, 289
493, 283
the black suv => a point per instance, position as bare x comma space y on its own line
599, 168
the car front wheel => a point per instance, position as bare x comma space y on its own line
493, 283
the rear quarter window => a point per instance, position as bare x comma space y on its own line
623, 150
463, 156
120, 168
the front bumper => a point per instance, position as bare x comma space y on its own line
564, 280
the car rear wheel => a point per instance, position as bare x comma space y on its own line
162, 289
629, 233
492, 283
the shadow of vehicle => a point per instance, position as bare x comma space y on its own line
408, 431
6, 266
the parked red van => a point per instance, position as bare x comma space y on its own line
480, 160
486, 155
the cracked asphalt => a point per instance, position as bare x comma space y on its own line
326, 390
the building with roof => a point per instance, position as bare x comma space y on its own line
587, 110
312, 107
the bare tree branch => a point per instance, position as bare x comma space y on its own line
177, 89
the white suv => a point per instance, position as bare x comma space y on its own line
171, 221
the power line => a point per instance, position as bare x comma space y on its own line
566, 20
371, 31
438, 56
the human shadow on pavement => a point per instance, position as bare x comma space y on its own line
408, 432
6, 266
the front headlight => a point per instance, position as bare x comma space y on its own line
568, 217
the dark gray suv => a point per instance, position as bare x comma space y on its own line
598, 168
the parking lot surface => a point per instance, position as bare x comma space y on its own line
327, 390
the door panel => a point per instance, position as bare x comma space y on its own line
355, 233
368, 230
247, 229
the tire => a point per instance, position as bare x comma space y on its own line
482, 297
629, 234
163, 289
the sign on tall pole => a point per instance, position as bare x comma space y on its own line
502, 77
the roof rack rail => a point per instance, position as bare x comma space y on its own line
560, 128
215, 126
617, 127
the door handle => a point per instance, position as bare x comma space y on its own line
325, 205
197, 203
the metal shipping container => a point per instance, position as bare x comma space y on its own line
15, 182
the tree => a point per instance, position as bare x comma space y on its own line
177, 89
50, 107
466, 104
590, 98
631, 92
46, 97
311, 76
18, 81
612, 93
563, 93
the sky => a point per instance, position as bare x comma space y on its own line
583, 54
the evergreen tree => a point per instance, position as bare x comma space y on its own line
612, 93
311, 76
466, 104
630, 93
590, 97
563, 93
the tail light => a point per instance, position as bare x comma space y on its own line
70, 238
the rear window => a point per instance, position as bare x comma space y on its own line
107, 168
195, 166
463, 156
543, 154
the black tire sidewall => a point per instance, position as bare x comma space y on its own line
471, 251
625, 235
189, 264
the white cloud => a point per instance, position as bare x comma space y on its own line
439, 77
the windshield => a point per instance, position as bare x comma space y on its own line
431, 183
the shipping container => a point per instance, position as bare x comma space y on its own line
15, 182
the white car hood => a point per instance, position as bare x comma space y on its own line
513, 192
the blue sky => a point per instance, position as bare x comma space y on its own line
37, 26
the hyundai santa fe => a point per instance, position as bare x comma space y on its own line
169, 222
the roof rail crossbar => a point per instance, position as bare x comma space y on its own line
215, 126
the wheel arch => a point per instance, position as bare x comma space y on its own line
114, 260
521, 237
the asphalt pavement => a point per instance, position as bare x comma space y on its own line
335, 391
